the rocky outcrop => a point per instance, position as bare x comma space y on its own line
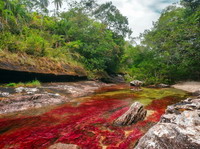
135, 113
22, 98
24, 102
179, 128
64, 146
136, 83
117, 78
15, 63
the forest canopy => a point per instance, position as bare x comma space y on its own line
94, 35
90, 33
170, 51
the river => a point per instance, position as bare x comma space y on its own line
86, 121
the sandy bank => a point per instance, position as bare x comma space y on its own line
190, 86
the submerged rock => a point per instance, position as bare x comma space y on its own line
133, 115
64, 146
179, 128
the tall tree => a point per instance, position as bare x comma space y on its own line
58, 3
109, 14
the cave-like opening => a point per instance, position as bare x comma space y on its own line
8, 76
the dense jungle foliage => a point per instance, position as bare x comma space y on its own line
94, 35
170, 51
87, 32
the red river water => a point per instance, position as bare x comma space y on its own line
86, 122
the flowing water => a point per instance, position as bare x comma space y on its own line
87, 121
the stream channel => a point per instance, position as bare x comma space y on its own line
86, 121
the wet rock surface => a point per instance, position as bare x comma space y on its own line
179, 128
23, 98
24, 102
135, 113
64, 146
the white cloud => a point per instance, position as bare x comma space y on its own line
141, 13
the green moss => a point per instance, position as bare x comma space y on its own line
160, 93
33, 83
28, 84
113, 93
144, 101
11, 85
147, 95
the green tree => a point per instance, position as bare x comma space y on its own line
109, 15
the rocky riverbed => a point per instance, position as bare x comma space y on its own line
178, 128
86, 122
23, 98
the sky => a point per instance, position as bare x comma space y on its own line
140, 13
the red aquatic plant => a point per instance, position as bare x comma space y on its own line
88, 125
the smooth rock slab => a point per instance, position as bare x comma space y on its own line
64, 146
24, 102
179, 128
135, 113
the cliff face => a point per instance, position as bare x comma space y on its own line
179, 128
38, 65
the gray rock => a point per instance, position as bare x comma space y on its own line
24, 102
179, 128
196, 93
162, 85
135, 113
26, 90
4, 94
136, 83
64, 146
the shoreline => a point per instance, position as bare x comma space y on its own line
189, 86
26, 98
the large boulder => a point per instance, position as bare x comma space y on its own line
64, 146
179, 128
136, 83
135, 113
